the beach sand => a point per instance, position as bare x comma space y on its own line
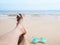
47, 26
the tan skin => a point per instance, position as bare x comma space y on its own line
12, 37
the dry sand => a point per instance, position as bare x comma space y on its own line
37, 26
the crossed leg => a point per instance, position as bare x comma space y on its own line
12, 37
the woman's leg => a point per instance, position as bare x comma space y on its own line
23, 38
24, 41
11, 38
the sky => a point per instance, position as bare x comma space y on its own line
29, 4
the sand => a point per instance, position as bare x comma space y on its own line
47, 26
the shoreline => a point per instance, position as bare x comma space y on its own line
11, 16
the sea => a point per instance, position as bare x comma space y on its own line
30, 12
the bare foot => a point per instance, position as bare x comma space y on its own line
19, 19
20, 23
